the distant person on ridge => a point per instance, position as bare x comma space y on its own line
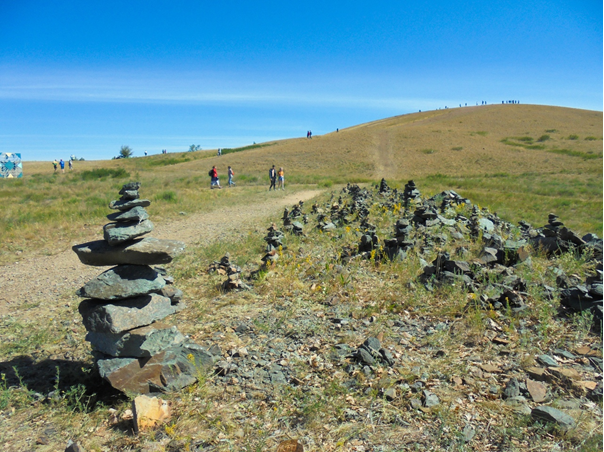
231, 173
54, 164
214, 182
272, 174
70, 165
62, 163
281, 175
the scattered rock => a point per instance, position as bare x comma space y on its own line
149, 412
549, 414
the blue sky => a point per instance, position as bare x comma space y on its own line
84, 78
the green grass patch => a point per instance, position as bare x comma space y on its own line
584, 155
573, 137
543, 138
592, 138
166, 196
551, 130
246, 148
168, 161
428, 151
457, 148
104, 173
482, 133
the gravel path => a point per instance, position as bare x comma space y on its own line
41, 279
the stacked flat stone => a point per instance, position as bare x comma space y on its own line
124, 305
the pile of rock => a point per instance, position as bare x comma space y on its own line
294, 227
274, 239
133, 350
234, 280
384, 188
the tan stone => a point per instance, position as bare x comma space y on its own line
565, 373
149, 412
537, 373
588, 385
537, 390
291, 445
491, 368
583, 350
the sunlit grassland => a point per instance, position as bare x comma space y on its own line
546, 169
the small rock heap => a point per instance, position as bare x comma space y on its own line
133, 350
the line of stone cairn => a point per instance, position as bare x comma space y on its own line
124, 306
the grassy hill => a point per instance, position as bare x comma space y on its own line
311, 309
523, 161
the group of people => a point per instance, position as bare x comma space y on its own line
309, 134
276, 176
61, 163
215, 181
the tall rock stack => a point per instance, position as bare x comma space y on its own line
134, 351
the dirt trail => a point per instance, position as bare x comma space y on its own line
42, 279
383, 149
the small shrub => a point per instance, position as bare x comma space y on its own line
325, 184
551, 130
525, 139
482, 133
457, 148
104, 173
543, 138
583, 155
428, 151
590, 138
167, 196
573, 137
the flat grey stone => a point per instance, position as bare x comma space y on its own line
130, 186
138, 343
129, 204
129, 194
512, 389
116, 233
365, 357
146, 251
134, 214
549, 414
430, 399
124, 315
486, 225
123, 281
547, 360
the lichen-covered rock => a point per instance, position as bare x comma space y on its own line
123, 281
116, 233
124, 315
140, 342
147, 251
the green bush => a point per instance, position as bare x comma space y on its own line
104, 173
573, 137
543, 138
167, 196
590, 138
457, 148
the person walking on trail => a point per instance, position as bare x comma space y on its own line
214, 182
281, 175
54, 164
231, 173
272, 174
62, 163
70, 165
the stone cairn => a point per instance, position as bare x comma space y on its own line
123, 306
234, 279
